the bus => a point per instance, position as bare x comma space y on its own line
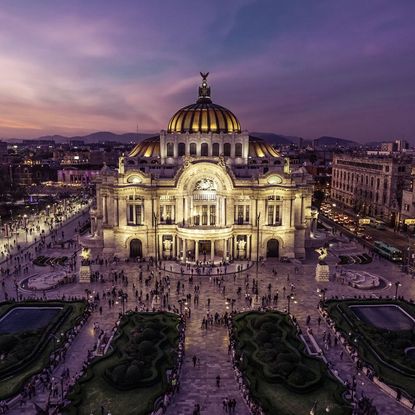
387, 251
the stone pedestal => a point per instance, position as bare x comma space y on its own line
241, 253
322, 273
85, 274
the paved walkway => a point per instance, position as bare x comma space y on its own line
211, 346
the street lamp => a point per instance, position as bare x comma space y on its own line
25, 224
123, 298
289, 298
257, 242
397, 285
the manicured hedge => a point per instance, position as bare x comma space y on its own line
283, 377
133, 373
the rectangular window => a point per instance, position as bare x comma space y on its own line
130, 214
204, 215
277, 215
138, 215
270, 215
240, 214
168, 212
246, 213
212, 215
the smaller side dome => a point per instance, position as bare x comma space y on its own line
150, 147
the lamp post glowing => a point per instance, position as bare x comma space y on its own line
257, 242
397, 285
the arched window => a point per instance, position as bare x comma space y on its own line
238, 150
192, 149
170, 149
182, 149
227, 150
204, 149
215, 149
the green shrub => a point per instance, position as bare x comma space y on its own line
150, 334
284, 368
267, 355
146, 347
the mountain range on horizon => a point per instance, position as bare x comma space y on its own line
272, 138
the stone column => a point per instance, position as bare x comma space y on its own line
248, 246
196, 250
185, 249
212, 250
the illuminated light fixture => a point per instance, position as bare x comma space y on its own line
274, 180
134, 179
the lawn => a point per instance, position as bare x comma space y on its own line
130, 378
283, 378
26, 342
380, 342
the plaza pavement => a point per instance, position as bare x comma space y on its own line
211, 346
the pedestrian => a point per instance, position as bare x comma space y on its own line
218, 381
194, 358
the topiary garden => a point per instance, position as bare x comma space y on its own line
282, 376
133, 374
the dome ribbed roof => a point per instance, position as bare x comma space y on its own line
204, 116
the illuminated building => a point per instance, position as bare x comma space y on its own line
198, 191
370, 186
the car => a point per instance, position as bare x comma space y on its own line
284, 259
368, 237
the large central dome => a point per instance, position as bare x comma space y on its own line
204, 116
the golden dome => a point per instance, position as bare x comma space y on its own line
204, 116
258, 148
150, 147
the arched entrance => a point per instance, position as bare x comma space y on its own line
136, 249
273, 247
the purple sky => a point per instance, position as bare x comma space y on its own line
309, 68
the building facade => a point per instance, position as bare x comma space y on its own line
204, 189
370, 186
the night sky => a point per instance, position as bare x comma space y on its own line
305, 68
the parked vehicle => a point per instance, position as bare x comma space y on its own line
388, 251
377, 223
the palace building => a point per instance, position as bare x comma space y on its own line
204, 189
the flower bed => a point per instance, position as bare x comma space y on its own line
283, 378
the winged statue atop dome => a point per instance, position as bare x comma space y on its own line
204, 75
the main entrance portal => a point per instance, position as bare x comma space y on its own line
273, 248
204, 248
136, 248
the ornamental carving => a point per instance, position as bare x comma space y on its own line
205, 184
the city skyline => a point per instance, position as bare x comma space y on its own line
289, 68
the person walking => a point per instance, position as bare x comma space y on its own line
218, 381
194, 358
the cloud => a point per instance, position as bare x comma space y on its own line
313, 68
